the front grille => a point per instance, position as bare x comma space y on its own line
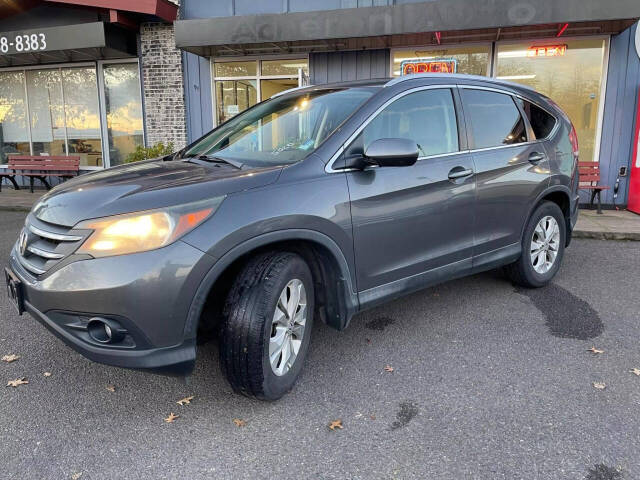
43, 245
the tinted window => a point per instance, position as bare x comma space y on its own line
427, 117
495, 118
541, 122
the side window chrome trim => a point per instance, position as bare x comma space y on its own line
329, 166
522, 97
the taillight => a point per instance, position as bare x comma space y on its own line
573, 138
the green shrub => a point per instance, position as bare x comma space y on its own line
144, 153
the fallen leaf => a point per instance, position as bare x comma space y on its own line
335, 424
111, 388
171, 418
76, 476
17, 381
47, 374
185, 400
595, 350
372, 417
635, 371
239, 422
388, 368
10, 358
599, 385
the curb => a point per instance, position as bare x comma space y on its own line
5, 208
600, 235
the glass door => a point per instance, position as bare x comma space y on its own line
239, 85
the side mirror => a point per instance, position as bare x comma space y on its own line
392, 152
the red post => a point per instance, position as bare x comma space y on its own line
633, 203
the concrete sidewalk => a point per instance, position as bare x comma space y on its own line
18, 200
610, 225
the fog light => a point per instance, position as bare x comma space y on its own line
104, 330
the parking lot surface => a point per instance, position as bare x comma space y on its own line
488, 381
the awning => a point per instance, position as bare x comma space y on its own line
70, 43
329, 29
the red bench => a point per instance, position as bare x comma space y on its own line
40, 167
590, 172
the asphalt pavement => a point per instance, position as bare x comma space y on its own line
489, 381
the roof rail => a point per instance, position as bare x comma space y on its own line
458, 76
289, 90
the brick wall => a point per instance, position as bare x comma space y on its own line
162, 85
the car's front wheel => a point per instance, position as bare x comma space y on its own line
543, 245
267, 325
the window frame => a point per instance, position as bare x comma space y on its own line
460, 123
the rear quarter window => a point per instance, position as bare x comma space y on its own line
541, 121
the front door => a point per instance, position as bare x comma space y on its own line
408, 221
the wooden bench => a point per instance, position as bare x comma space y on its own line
590, 172
40, 167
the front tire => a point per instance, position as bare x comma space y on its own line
542, 248
267, 325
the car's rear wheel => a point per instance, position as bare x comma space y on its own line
542, 247
267, 325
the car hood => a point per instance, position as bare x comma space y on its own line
146, 185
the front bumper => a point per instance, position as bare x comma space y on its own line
149, 294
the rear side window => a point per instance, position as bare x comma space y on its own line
495, 118
542, 123
428, 117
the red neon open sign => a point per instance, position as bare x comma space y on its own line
429, 66
547, 51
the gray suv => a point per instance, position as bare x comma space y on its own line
311, 206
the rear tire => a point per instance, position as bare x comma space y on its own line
543, 245
261, 315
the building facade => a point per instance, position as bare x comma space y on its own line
89, 78
581, 53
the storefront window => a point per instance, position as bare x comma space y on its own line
82, 114
240, 85
236, 69
14, 136
472, 60
569, 72
124, 110
62, 105
284, 67
46, 110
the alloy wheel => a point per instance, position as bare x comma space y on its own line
288, 327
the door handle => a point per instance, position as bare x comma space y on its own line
536, 157
459, 172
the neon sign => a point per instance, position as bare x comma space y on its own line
547, 51
419, 65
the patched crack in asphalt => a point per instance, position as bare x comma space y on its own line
567, 315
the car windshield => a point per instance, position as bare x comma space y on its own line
282, 130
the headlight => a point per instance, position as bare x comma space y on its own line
142, 231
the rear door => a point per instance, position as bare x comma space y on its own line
411, 220
511, 170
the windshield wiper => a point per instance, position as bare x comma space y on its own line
214, 159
